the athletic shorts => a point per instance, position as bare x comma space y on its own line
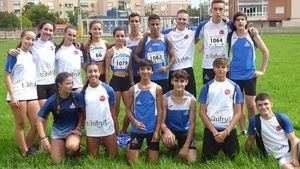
45, 91
102, 77
56, 134
120, 83
191, 86
136, 141
210, 147
163, 84
249, 86
288, 157
207, 75
181, 138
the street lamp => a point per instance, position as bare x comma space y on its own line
79, 23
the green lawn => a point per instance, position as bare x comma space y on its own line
281, 81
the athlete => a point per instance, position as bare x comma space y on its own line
220, 110
94, 49
101, 121
183, 39
157, 49
179, 118
243, 63
69, 57
118, 59
275, 133
20, 81
146, 102
68, 110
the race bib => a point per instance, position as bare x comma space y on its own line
97, 54
156, 57
216, 40
121, 62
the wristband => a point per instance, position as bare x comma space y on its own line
43, 138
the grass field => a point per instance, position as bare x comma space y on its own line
281, 81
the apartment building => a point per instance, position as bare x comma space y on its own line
167, 8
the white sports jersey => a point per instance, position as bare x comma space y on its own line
23, 76
68, 59
99, 121
183, 47
44, 54
97, 53
274, 137
215, 42
130, 43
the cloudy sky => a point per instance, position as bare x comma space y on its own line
195, 3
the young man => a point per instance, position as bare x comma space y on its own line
158, 50
215, 33
179, 118
274, 133
243, 63
183, 39
133, 39
146, 102
220, 110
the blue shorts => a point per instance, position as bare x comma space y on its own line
56, 134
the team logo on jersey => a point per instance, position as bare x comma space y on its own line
72, 106
186, 37
247, 44
278, 128
52, 48
227, 91
102, 98
138, 102
75, 52
221, 32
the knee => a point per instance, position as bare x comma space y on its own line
20, 125
72, 146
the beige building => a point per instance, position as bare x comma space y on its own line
167, 8
88, 7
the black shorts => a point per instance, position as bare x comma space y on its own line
102, 78
249, 86
181, 138
45, 91
210, 147
207, 75
163, 84
191, 86
136, 141
120, 83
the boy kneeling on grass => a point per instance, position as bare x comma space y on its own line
274, 134
220, 110
179, 118
145, 99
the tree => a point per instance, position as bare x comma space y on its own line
40, 12
201, 12
8, 20
26, 23
73, 17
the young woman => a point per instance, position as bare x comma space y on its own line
20, 81
100, 114
68, 110
95, 49
243, 63
69, 57
118, 58
43, 52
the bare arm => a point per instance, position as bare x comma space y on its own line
41, 131
159, 92
130, 71
138, 50
112, 108
261, 45
192, 121
9, 87
207, 123
249, 142
294, 148
108, 57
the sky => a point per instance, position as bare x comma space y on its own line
195, 3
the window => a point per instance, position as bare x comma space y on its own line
279, 10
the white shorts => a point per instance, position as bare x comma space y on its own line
288, 157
